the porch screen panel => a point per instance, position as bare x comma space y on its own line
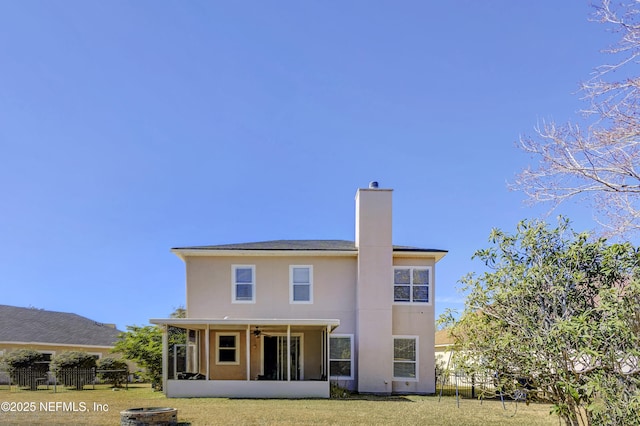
295, 358
283, 353
282, 358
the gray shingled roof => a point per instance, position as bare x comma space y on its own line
40, 326
301, 245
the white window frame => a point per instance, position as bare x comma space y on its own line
234, 294
429, 269
416, 362
291, 284
236, 348
342, 336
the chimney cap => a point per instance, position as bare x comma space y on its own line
373, 185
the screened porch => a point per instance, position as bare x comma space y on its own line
246, 358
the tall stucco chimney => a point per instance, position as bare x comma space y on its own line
373, 216
374, 290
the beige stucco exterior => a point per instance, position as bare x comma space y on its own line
352, 295
210, 285
417, 320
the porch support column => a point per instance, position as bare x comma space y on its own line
206, 351
165, 357
288, 352
189, 362
197, 348
248, 350
327, 365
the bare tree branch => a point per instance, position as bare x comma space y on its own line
599, 163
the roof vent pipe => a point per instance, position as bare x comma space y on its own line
373, 185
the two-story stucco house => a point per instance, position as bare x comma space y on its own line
285, 318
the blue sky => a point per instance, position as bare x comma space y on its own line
130, 127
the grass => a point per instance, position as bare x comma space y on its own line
357, 410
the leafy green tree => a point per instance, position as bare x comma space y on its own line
179, 312
113, 371
143, 345
559, 314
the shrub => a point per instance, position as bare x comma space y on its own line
339, 392
25, 367
74, 368
23, 358
108, 371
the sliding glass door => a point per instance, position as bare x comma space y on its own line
276, 357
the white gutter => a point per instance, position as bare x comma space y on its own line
182, 253
179, 322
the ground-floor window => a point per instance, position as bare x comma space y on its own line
227, 348
341, 357
47, 356
405, 357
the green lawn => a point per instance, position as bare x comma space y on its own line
410, 410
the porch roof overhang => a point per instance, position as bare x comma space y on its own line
201, 323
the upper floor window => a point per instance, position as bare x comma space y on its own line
411, 284
243, 283
301, 284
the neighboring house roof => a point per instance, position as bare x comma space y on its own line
302, 245
31, 325
443, 338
